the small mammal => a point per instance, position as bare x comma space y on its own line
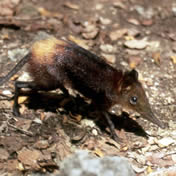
55, 63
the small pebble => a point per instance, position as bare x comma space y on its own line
165, 142
6, 92
107, 48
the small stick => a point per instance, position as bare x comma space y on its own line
21, 130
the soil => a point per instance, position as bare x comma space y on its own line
128, 34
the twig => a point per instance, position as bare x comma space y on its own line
21, 130
19, 18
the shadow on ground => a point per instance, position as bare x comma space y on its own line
51, 102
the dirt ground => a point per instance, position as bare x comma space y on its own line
127, 34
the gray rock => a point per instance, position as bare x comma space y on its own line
83, 164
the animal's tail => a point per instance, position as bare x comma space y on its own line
17, 67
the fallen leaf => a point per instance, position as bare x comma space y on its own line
171, 171
105, 21
136, 44
22, 99
7, 7
3, 154
42, 116
46, 13
13, 164
6, 92
149, 170
147, 22
119, 4
134, 61
71, 5
129, 37
174, 157
98, 152
107, 48
5, 36
172, 36
41, 144
15, 77
133, 21
124, 148
91, 35
160, 160
82, 43
90, 30
30, 157
13, 144
22, 108
23, 124
111, 58
173, 59
138, 169
165, 142
99, 6
157, 57
115, 35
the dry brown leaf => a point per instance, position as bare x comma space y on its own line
110, 58
129, 37
91, 35
149, 170
124, 148
7, 7
160, 160
157, 57
24, 124
30, 157
41, 144
147, 22
65, 119
5, 36
22, 108
71, 5
3, 154
42, 116
173, 59
14, 164
78, 41
78, 117
22, 99
133, 21
119, 4
134, 61
46, 13
173, 157
136, 44
98, 152
114, 35
15, 77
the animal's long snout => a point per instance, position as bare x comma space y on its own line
152, 118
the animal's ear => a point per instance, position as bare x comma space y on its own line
133, 74
130, 78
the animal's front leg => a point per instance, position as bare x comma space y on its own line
112, 127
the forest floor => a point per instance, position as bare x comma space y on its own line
127, 34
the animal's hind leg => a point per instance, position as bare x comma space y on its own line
18, 86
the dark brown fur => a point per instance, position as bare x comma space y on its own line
57, 64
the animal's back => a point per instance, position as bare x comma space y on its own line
55, 62
42, 63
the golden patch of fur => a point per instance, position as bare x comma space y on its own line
44, 50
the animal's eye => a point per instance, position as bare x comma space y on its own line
133, 100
